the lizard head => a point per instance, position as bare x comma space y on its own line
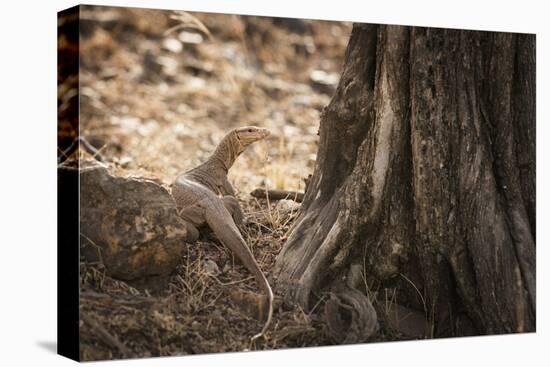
247, 135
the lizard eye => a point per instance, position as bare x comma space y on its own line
249, 130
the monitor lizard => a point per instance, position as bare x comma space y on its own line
204, 195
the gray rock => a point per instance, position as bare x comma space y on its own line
227, 267
131, 225
211, 268
287, 206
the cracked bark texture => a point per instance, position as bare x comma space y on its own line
424, 182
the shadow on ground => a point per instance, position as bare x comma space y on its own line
48, 345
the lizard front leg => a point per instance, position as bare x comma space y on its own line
233, 207
227, 188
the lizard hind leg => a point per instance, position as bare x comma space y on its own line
193, 217
192, 232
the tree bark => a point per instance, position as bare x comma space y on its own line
424, 183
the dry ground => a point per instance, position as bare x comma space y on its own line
158, 91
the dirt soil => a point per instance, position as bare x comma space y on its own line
158, 90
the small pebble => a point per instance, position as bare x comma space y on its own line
211, 268
286, 205
217, 314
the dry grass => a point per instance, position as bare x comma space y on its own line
195, 314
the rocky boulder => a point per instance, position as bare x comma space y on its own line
129, 224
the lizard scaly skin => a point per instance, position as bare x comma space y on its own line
205, 196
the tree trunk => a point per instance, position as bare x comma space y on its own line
424, 184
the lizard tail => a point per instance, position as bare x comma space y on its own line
221, 222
